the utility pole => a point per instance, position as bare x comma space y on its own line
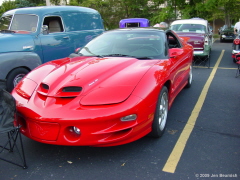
48, 3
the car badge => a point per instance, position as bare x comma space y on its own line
28, 47
196, 42
93, 82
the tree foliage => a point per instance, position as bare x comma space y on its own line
156, 11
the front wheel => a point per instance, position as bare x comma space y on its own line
14, 77
160, 116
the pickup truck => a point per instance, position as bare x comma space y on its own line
35, 35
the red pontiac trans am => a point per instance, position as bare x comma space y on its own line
115, 90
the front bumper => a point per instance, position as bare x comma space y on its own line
227, 37
99, 126
202, 52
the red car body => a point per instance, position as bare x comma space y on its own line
101, 100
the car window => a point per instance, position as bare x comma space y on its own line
54, 24
198, 28
134, 44
5, 22
172, 40
24, 22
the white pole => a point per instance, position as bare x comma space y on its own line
48, 3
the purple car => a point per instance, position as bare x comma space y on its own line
134, 22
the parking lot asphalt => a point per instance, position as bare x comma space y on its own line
202, 138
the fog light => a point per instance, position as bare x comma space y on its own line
76, 130
131, 117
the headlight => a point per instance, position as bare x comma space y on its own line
131, 117
25, 88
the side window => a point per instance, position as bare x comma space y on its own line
173, 42
5, 22
54, 24
82, 21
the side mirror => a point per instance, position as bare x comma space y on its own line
77, 50
45, 29
174, 52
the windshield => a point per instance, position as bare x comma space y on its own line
138, 44
198, 28
19, 22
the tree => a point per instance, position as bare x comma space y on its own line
24, 3
7, 5
113, 11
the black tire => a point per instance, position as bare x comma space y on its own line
234, 60
221, 40
14, 77
189, 84
160, 116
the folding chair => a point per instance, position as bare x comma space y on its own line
10, 129
201, 61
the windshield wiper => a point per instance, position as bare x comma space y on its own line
143, 58
90, 53
6, 31
116, 55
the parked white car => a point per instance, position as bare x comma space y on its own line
199, 32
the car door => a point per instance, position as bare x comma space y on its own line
56, 43
179, 64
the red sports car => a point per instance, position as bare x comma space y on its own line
115, 90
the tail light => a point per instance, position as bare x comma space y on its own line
206, 41
236, 41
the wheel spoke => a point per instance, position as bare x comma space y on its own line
163, 110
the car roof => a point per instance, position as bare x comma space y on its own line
140, 29
191, 21
48, 9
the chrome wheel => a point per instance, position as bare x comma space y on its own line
160, 116
163, 110
190, 78
17, 79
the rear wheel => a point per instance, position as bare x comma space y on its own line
189, 78
221, 39
160, 116
14, 77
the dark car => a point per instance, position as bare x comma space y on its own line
226, 33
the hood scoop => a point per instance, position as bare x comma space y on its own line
72, 89
65, 92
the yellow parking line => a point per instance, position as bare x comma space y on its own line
213, 67
177, 151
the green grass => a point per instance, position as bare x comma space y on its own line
215, 36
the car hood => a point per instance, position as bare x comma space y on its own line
16, 42
228, 30
95, 80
